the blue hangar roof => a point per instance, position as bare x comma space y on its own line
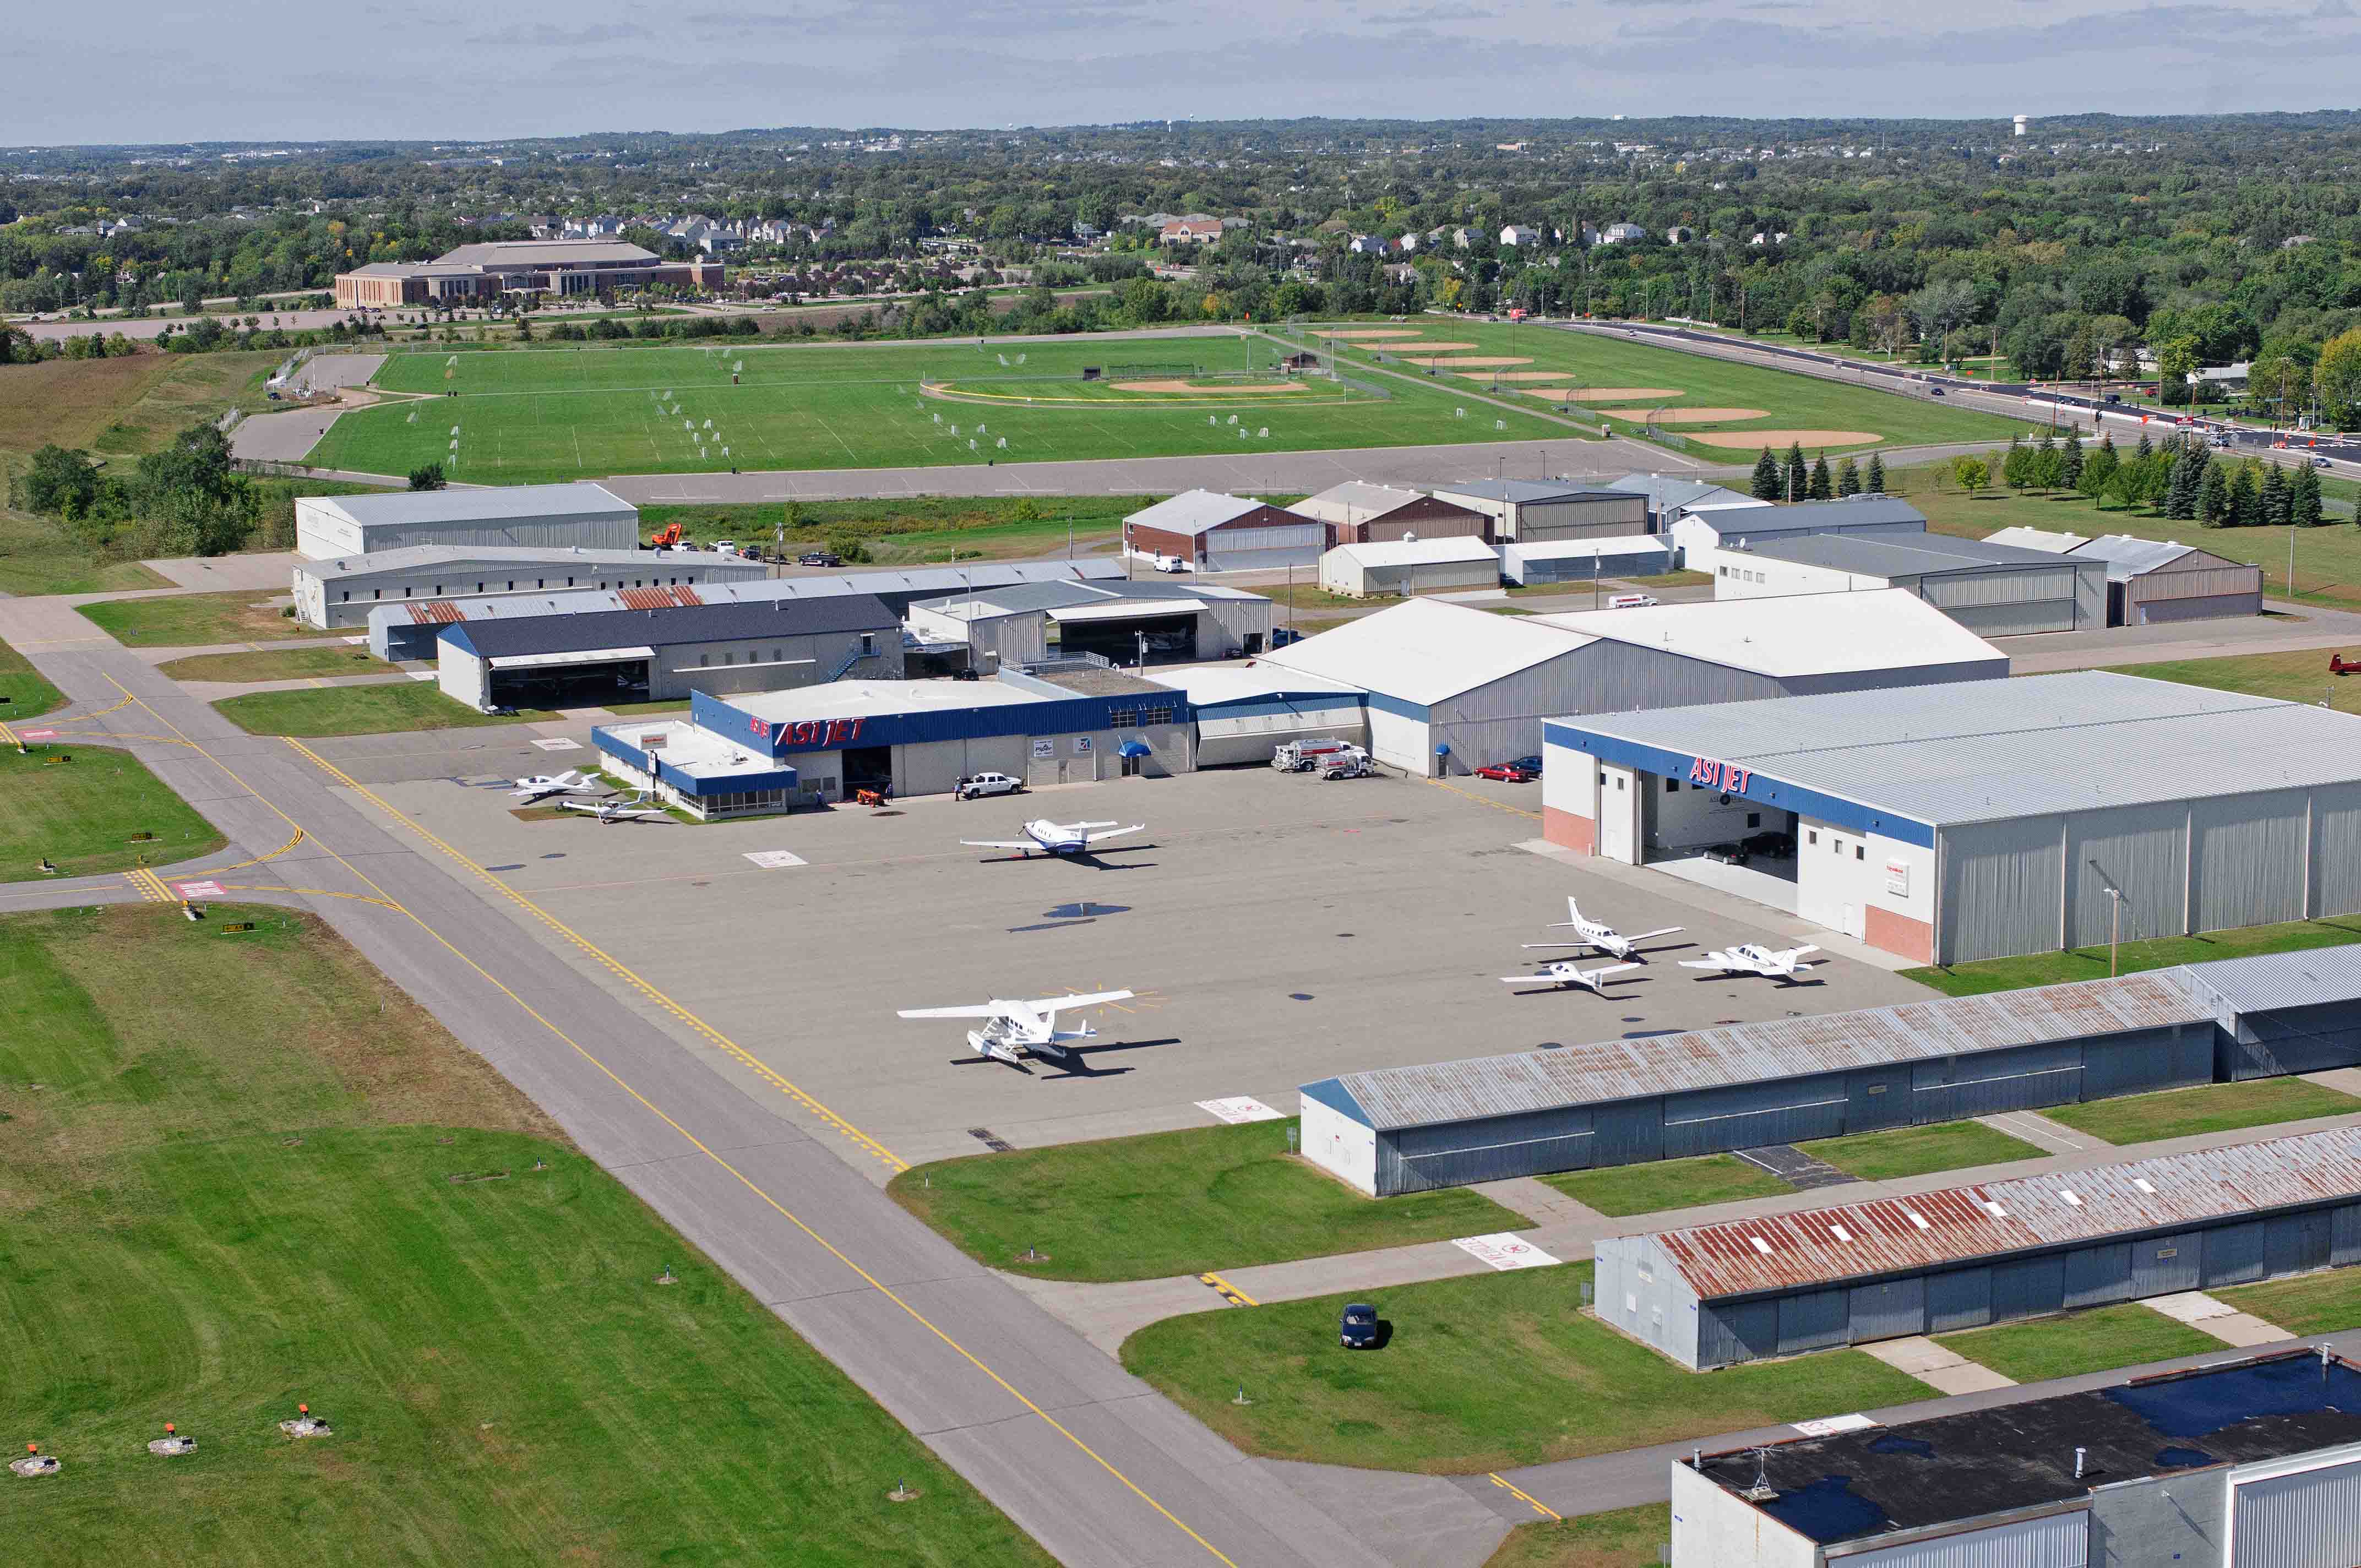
690, 623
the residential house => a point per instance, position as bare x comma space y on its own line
1517, 235
1621, 234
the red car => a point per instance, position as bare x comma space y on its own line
1507, 773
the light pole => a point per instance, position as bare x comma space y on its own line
2116, 915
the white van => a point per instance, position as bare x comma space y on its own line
1630, 601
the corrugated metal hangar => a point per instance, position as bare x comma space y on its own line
1210, 532
1245, 712
1700, 531
1995, 590
534, 517
1528, 511
432, 578
1357, 512
1453, 688
1985, 819
1959, 1258
2152, 581
1627, 1101
1409, 566
1158, 623
2253, 1463
1586, 560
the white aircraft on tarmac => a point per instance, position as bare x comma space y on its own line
630, 808
1058, 837
541, 786
1753, 958
1014, 1030
1599, 933
1562, 975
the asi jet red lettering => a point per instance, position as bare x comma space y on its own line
822, 732
1708, 774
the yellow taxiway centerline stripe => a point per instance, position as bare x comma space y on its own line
1527, 1498
1228, 1292
1495, 804
781, 1210
259, 859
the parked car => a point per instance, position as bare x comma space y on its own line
1630, 601
819, 558
1773, 845
975, 785
1727, 854
1170, 564
1282, 636
1507, 773
1358, 1328
1530, 764
1935, 391
725, 547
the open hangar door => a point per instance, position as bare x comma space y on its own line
596, 679
1167, 634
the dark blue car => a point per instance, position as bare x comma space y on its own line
1359, 1329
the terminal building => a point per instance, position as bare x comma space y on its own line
1713, 1296
774, 752
657, 654
532, 517
1995, 590
1984, 819
1123, 622
422, 584
2253, 1463
474, 273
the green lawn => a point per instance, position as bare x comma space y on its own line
1620, 1538
2211, 1108
1782, 402
188, 621
276, 664
81, 815
38, 556
1165, 1203
361, 710
1619, 1189
1481, 1373
916, 529
241, 1185
580, 413
2104, 1337
2161, 952
2321, 1303
1915, 1151
22, 693
2291, 677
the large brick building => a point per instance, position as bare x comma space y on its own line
520, 266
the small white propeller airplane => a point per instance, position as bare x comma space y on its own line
630, 808
1599, 933
1753, 958
1014, 1030
541, 786
1058, 837
1562, 975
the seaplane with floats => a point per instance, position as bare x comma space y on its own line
627, 808
1014, 1030
1598, 935
1045, 837
1563, 975
1753, 958
535, 787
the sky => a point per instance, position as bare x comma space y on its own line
263, 70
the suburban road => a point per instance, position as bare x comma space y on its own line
1088, 1460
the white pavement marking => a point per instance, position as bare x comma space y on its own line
1829, 1426
559, 743
1241, 1108
198, 889
775, 859
1503, 1250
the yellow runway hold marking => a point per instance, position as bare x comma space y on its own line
1228, 1291
1482, 800
1528, 1499
150, 885
260, 860
693, 1141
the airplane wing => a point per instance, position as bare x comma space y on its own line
1613, 969
1530, 979
1093, 838
1050, 1007
1000, 843
1556, 944
976, 1010
1799, 952
1723, 964
1667, 931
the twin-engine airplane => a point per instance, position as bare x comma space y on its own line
1600, 935
541, 786
1753, 958
630, 808
1058, 837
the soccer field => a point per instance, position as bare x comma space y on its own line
1726, 411
528, 416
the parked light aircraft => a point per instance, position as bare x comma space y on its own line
1058, 837
1564, 974
1014, 1030
1753, 958
630, 808
541, 786
1599, 933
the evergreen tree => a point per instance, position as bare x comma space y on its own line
2046, 467
1797, 476
2213, 497
2274, 499
2071, 461
1848, 478
2144, 447
1817, 487
2303, 499
2017, 468
1876, 485
2181, 489
2245, 499
1766, 477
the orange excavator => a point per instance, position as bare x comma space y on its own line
670, 538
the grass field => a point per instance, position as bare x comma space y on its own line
2159, 952
315, 711
1479, 1374
917, 529
1915, 1151
527, 417
1142, 1208
23, 692
2104, 1337
254, 1174
2210, 1108
189, 620
1620, 1538
1616, 1190
81, 815
2327, 1302
275, 664
2291, 677
1769, 405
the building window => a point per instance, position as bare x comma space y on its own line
348, 596
1156, 715
1813, 837
569, 582
1122, 718
704, 659
868, 642
1618, 784
438, 591
377, 593
1857, 854
405, 593
1672, 786
778, 657
511, 585
1754, 819
728, 658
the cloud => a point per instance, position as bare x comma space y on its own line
1419, 15
547, 35
2331, 10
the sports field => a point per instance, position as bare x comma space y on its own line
1725, 411
526, 416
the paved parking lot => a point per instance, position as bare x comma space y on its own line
1279, 929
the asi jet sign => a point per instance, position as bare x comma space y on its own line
1706, 773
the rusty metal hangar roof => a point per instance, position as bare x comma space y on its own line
1959, 1225
1394, 1098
